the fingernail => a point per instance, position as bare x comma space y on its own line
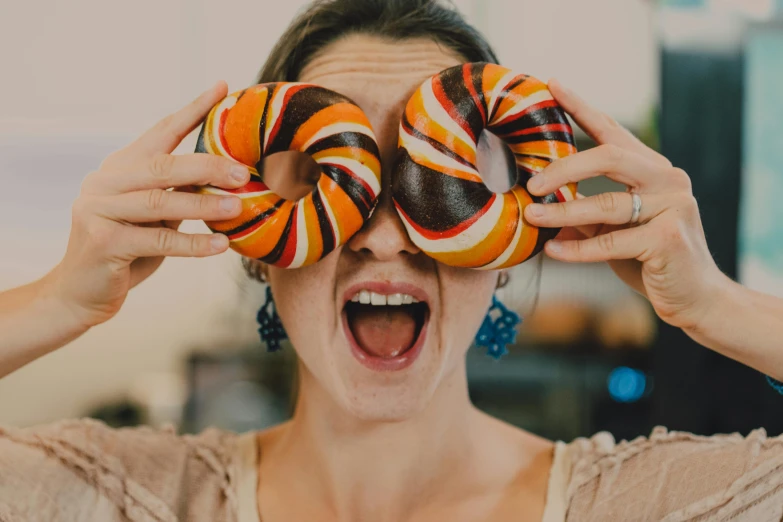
239, 173
229, 204
535, 209
555, 246
535, 184
218, 242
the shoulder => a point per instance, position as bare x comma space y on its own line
677, 475
128, 470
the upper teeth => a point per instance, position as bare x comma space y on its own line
373, 298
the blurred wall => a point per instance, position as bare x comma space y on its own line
83, 77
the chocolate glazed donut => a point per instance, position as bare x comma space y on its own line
448, 211
275, 117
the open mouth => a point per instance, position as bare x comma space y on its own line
386, 328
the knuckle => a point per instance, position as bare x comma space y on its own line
195, 244
681, 177
606, 242
80, 209
215, 164
206, 204
608, 202
161, 165
156, 200
165, 240
663, 160
89, 183
688, 203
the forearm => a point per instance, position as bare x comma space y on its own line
747, 326
33, 323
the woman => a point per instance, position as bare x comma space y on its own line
403, 443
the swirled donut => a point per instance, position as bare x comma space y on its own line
448, 211
276, 117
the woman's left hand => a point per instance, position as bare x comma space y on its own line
664, 256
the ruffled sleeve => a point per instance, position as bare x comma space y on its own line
675, 476
83, 470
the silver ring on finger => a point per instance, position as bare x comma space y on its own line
636, 211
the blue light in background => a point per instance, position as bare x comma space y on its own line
626, 384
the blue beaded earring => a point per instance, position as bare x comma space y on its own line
498, 329
270, 328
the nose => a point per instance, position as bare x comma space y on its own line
383, 237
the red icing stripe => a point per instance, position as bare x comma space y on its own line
221, 127
356, 178
289, 251
533, 108
542, 128
445, 102
468, 77
252, 186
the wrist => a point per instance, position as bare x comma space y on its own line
719, 301
52, 303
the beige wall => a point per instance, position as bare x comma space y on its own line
82, 77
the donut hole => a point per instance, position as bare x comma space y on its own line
291, 174
496, 164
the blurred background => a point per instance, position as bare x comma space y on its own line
700, 80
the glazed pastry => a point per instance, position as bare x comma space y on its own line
449, 212
276, 117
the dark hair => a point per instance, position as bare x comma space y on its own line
325, 21
328, 20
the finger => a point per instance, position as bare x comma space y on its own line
611, 208
168, 132
602, 128
618, 164
162, 205
152, 242
621, 244
166, 170
569, 233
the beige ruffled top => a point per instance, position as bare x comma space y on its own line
84, 471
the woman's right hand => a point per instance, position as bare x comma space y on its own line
125, 221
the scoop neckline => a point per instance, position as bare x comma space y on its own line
247, 480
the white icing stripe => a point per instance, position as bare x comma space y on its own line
437, 113
494, 94
302, 241
466, 239
332, 219
529, 101
417, 147
275, 111
216, 145
209, 189
566, 193
511, 247
359, 169
336, 128
248, 195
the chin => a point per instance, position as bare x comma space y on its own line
376, 399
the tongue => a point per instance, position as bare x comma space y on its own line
383, 331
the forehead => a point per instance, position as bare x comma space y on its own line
375, 73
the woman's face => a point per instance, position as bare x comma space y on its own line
381, 361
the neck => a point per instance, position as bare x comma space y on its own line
369, 470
